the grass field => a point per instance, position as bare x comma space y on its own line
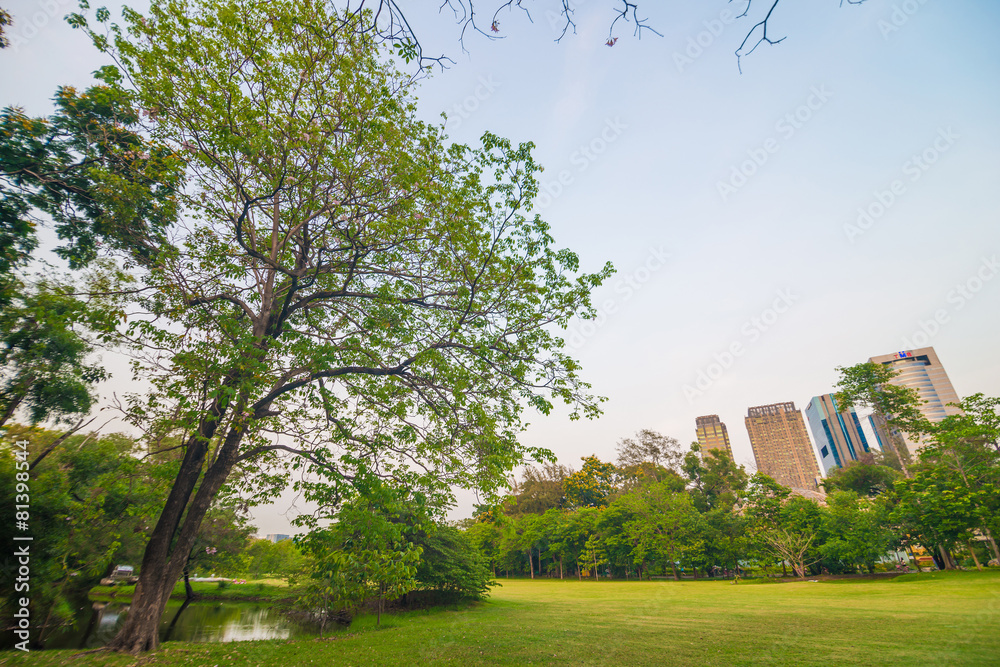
258, 590
927, 619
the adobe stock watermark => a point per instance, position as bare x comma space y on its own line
462, 111
901, 14
21, 561
750, 332
581, 158
786, 127
957, 298
913, 169
625, 288
27, 24
697, 44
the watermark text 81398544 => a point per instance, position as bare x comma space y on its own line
21, 546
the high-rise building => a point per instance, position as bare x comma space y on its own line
781, 445
837, 433
712, 434
921, 369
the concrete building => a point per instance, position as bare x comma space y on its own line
712, 434
781, 445
921, 369
277, 537
837, 433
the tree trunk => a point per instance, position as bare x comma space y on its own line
913, 557
945, 558
60, 440
673, 566
993, 543
531, 564
12, 406
974, 558
162, 563
188, 591
560, 566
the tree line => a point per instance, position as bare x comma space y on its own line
659, 511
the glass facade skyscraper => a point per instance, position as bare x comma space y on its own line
837, 433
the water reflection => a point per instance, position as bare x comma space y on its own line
98, 622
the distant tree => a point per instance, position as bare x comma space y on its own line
764, 499
593, 555
486, 538
857, 530
864, 477
649, 454
592, 485
665, 525
531, 535
716, 481
724, 534
573, 533
540, 490
263, 558
955, 485
791, 546
224, 535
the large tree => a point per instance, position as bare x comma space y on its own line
345, 287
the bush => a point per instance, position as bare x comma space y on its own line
451, 565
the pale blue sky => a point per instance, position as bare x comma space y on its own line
667, 136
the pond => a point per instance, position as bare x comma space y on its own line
200, 621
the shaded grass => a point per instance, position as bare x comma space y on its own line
941, 618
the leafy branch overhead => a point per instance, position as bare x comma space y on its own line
392, 23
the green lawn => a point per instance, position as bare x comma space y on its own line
258, 590
928, 619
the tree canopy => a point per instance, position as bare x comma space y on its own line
342, 284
